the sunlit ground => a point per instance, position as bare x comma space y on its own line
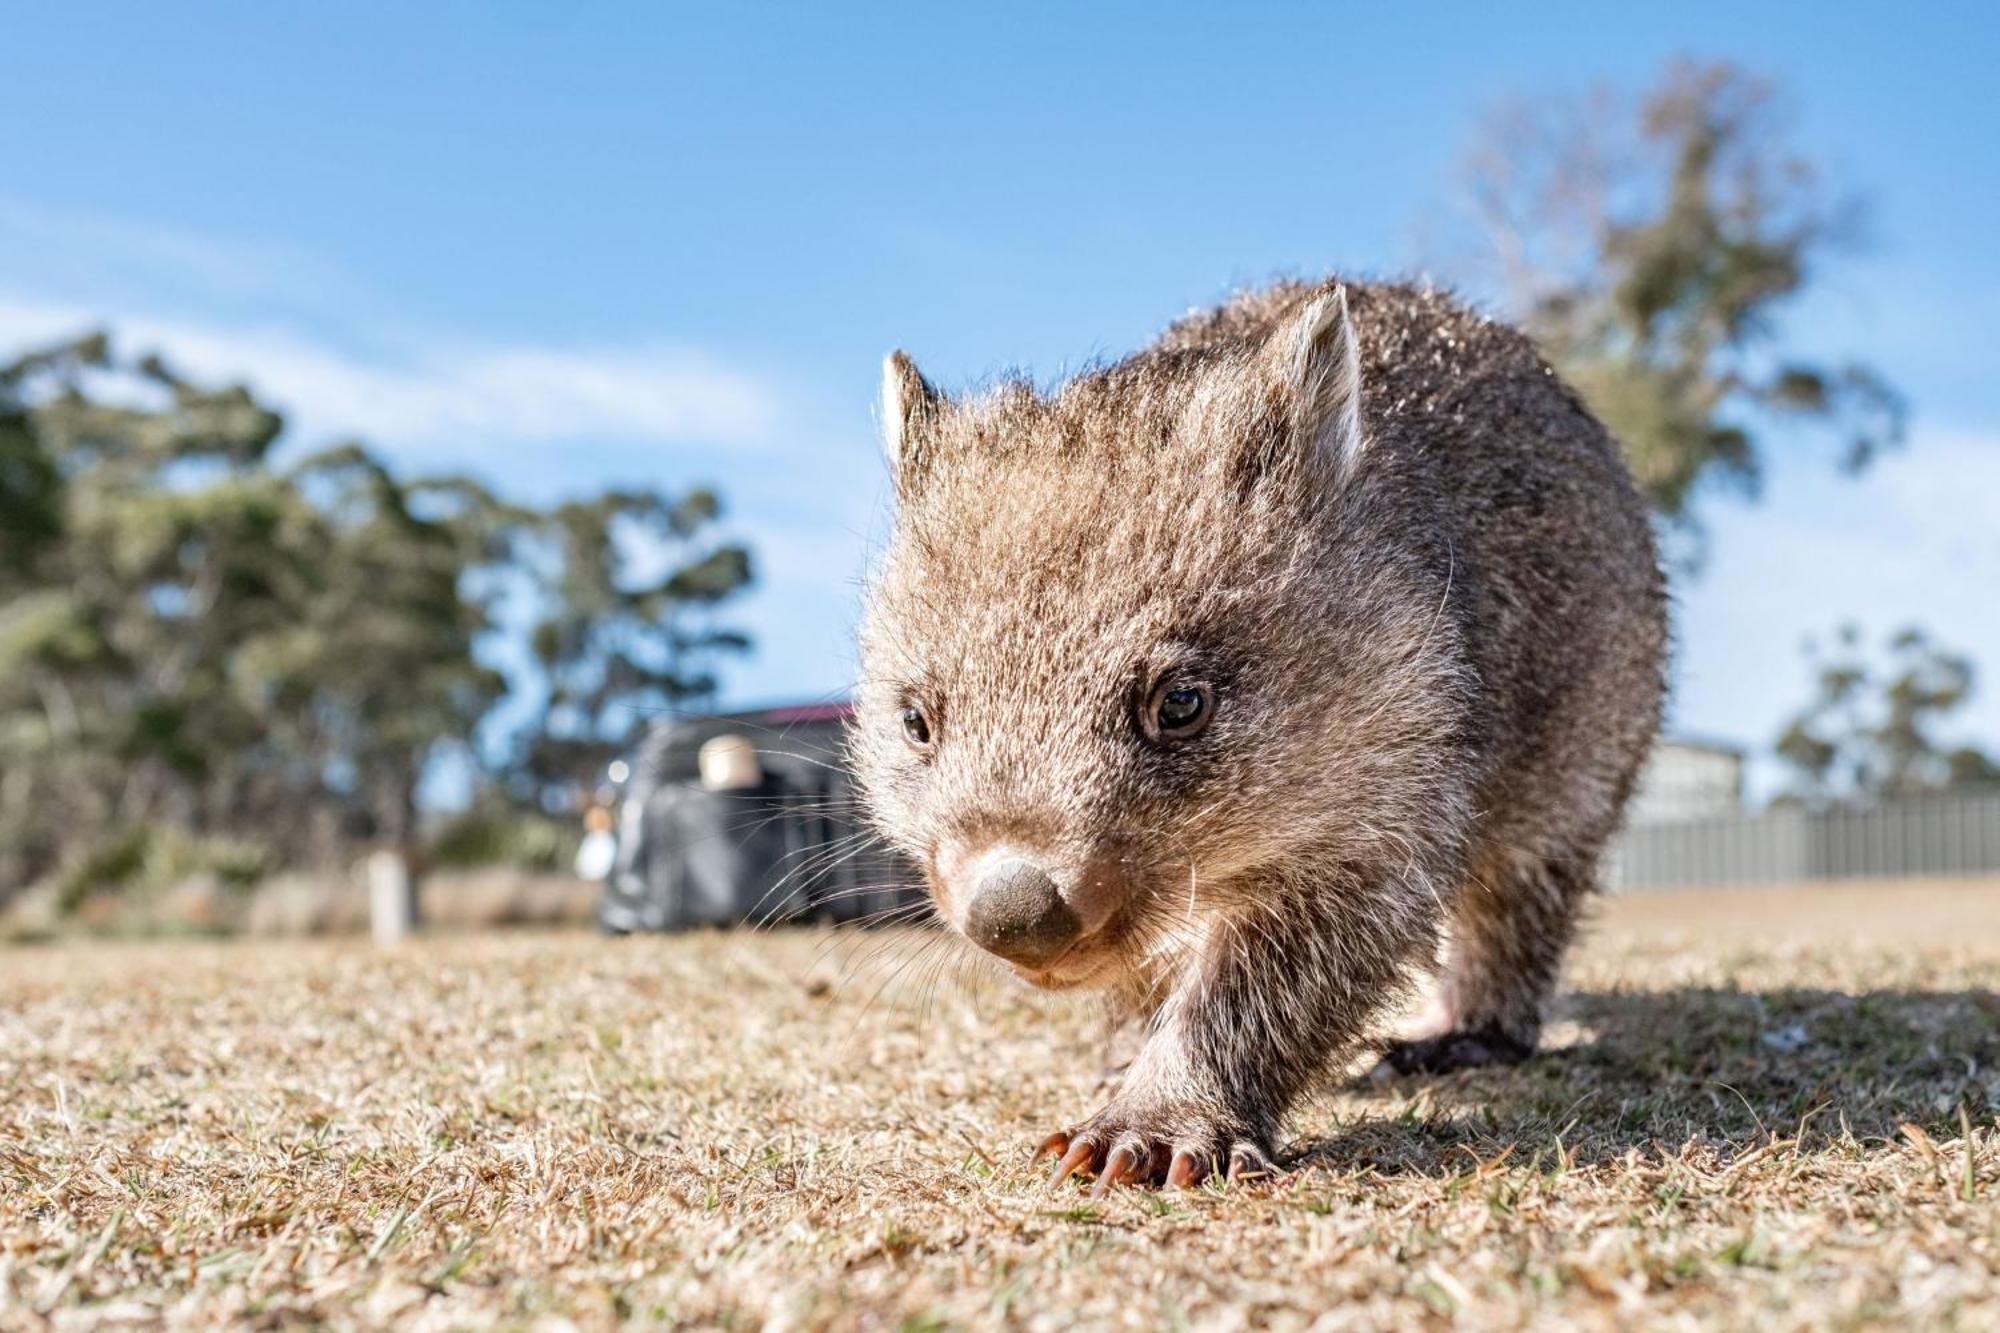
1761, 1110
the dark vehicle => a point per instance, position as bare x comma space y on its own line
745, 817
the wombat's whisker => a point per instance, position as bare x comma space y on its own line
930, 945
853, 934
819, 860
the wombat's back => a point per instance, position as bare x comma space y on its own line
1554, 570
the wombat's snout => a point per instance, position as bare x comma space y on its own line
1017, 912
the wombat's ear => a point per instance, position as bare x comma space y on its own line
1320, 363
909, 406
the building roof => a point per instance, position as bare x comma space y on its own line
1707, 746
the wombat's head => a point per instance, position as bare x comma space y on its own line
1130, 649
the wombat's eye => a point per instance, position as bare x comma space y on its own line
1177, 711
916, 728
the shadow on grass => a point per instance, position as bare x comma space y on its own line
1727, 1068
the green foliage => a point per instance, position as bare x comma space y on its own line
31, 483
149, 858
498, 834
1871, 730
1653, 248
627, 633
203, 647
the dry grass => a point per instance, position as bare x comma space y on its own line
1734, 1131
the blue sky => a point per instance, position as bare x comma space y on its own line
570, 245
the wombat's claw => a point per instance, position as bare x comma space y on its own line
1248, 1162
1132, 1162
1121, 1168
1079, 1155
1448, 1051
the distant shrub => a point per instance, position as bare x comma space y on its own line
145, 860
504, 836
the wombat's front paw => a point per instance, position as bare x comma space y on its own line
1175, 1146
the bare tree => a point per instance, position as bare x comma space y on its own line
1653, 246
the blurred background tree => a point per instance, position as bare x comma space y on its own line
629, 582
30, 485
380, 672
1871, 730
1653, 246
214, 664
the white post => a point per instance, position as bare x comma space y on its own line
392, 899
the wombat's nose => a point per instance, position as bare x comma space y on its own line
1017, 913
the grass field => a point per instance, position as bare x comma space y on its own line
1768, 1110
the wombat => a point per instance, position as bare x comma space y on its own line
1240, 677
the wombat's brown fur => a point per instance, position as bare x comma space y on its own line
1236, 677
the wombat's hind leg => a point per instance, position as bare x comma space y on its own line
1456, 1049
1512, 927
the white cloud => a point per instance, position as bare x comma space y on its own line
229, 309
92, 255
1914, 542
460, 394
